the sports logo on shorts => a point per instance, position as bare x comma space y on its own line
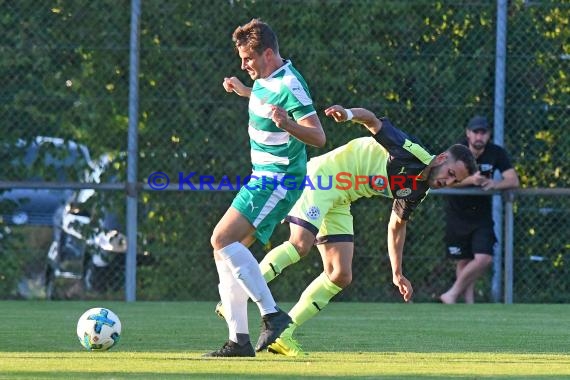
313, 213
404, 192
455, 251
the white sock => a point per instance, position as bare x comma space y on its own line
246, 270
234, 299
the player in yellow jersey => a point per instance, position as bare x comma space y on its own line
391, 163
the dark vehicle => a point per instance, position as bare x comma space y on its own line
42, 159
83, 246
88, 245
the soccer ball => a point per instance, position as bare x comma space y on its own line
98, 329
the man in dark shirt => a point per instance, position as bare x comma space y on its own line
469, 235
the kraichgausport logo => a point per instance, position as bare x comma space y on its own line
402, 184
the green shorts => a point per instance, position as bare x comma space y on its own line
327, 210
265, 204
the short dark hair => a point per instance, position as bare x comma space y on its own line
256, 35
462, 153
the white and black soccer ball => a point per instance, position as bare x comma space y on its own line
99, 329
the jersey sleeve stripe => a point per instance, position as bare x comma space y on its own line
419, 152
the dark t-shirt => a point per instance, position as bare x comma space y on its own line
477, 209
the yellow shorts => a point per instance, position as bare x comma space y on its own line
326, 209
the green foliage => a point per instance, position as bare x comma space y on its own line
21, 257
11, 265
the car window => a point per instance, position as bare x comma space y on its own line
42, 159
51, 159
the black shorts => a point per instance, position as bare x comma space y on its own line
464, 242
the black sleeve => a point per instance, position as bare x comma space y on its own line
392, 138
401, 146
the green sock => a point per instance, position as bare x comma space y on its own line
278, 259
314, 299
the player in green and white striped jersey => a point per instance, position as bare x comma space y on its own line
282, 119
273, 149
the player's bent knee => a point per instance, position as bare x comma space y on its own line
341, 279
303, 248
218, 241
214, 241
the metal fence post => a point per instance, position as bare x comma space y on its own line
509, 241
499, 120
132, 191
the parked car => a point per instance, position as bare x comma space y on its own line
40, 211
88, 243
42, 159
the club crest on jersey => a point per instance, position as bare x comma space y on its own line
404, 192
313, 213
379, 182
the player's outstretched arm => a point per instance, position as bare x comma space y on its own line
233, 84
358, 115
396, 240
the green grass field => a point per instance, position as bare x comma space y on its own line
349, 340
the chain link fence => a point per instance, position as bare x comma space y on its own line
428, 65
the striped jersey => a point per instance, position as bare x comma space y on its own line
273, 150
